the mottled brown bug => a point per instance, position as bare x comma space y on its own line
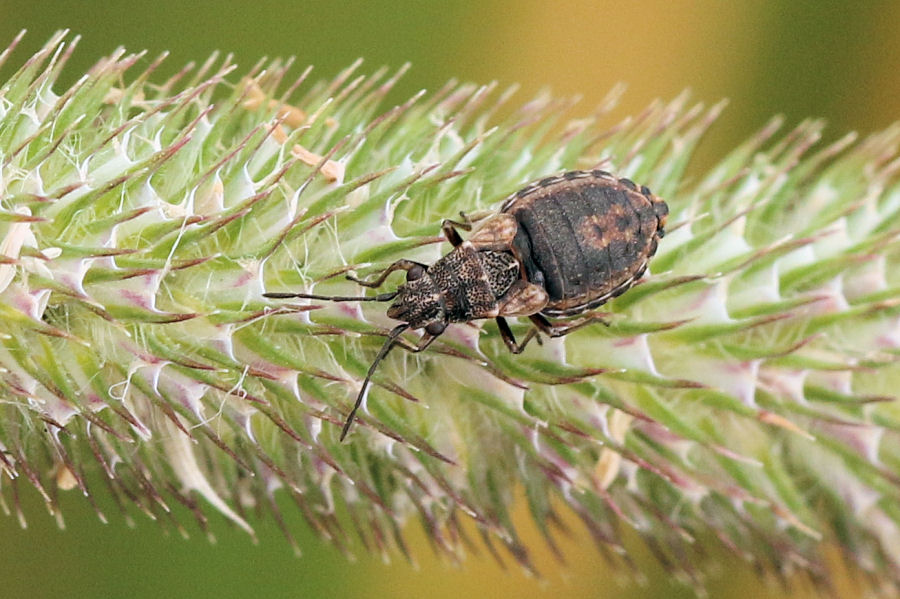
558, 248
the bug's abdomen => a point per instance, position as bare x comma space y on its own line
585, 236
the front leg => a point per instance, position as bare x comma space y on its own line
403, 264
422, 345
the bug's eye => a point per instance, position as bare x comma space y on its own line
415, 272
435, 328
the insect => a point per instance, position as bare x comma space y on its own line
559, 247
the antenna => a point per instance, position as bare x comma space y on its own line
381, 297
391, 340
382, 353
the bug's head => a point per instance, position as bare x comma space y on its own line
419, 302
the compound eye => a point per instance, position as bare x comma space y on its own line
415, 272
435, 328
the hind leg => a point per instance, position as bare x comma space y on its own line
559, 330
449, 226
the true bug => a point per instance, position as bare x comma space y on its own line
559, 247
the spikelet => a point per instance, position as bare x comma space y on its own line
742, 398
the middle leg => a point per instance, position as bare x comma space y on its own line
449, 226
510, 340
544, 326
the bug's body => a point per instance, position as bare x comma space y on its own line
558, 247
463, 285
585, 237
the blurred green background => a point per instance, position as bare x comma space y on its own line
797, 58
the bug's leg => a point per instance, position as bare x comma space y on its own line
510, 340
558, 330
468, 220
474, 217
522, 299
449, 226
432, 331
423, 343
402, 264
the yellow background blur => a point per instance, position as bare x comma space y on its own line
797, 58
